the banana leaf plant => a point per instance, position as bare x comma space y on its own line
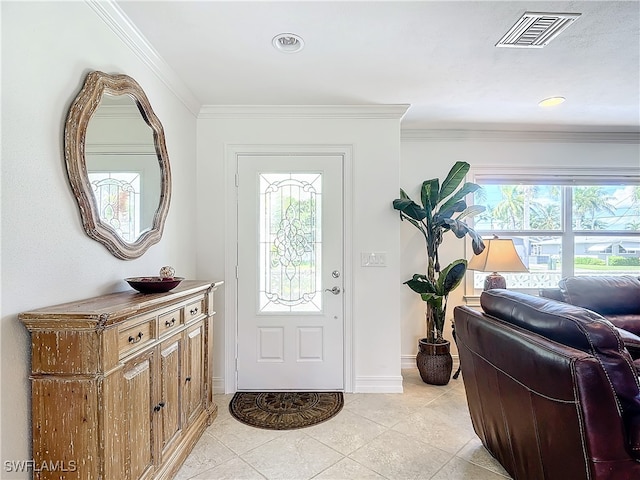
443, 209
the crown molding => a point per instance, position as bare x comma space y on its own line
122, 26
429, 135
303, 111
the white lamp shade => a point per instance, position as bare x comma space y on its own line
499, 255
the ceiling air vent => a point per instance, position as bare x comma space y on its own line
535, 30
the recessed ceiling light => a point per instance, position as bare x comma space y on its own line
551, 101
288, 42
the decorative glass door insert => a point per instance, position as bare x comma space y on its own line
118, 197
290, 242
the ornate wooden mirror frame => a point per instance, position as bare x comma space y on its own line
80, 113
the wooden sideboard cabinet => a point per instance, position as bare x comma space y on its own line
122, 383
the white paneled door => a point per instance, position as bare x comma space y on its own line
290, 273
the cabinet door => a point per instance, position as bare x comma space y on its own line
138, 402
169, 406
194, 379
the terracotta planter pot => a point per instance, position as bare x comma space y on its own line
434, 362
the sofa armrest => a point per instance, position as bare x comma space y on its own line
631, 342
552, 293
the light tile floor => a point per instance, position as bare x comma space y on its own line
423, 433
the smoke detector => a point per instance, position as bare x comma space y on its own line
536, 30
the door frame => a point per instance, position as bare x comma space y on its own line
231, 155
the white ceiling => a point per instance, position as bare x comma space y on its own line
438, 56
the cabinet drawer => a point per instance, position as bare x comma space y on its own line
169, 322
135, 333
193, 310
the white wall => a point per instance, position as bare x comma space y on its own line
375, 143
428, 155
47, 49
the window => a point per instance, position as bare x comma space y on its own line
562, 225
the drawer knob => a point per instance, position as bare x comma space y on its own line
168, 323
137, 338
193, 311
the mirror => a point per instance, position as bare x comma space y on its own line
118, 164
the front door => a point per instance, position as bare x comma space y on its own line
290, 262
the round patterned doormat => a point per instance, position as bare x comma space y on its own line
285, 410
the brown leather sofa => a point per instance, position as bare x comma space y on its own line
617, 298
551, 388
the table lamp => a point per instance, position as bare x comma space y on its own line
499, 254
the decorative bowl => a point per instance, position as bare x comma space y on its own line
153, 284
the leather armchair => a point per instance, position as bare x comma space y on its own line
552, 391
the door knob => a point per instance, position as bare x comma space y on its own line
334, 290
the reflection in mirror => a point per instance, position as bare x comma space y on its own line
118, 165
122, 166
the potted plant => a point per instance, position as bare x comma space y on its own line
443, 208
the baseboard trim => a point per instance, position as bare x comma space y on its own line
409, 361
364, 384
372, 384
218, 386
379, 384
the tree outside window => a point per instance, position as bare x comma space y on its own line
562, 228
